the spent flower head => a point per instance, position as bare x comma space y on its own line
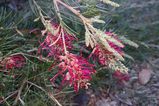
14, 61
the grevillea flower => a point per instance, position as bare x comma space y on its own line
104, 56
53, 44
14, 61
75, 70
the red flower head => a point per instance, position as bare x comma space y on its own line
75, 70
15, 61
104, 56
53, 44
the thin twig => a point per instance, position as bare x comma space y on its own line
36, 86
84, 19
48, 93
53, 98
19, 93
57, 10
64, 43
40, 58
5, 99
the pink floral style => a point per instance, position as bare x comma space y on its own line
99, 55
75, 70
117, 48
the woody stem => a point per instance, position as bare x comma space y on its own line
84, 19
63, 40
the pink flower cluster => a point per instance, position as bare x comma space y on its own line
102, 55
53, 44
75, 70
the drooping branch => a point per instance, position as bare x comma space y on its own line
94, 36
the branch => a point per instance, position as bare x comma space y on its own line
19, 93
5, 99
84, 19
48, 93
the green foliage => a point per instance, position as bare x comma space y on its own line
91, 12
